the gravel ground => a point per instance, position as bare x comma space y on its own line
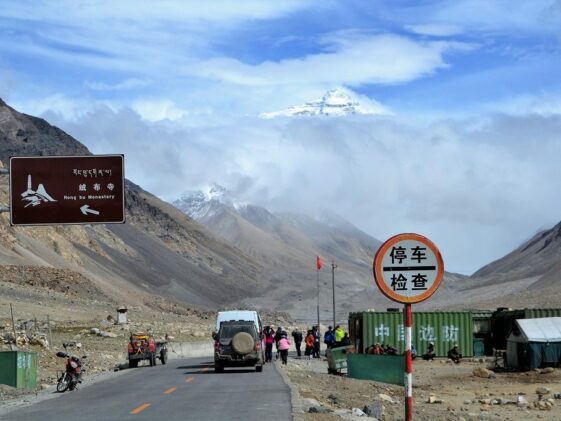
458, 393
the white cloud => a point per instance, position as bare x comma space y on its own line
351, 60
133, 11
477, 188
157, 110
129, 83
544, 104
478, 18
438, 30
59, 104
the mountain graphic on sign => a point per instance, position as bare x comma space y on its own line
35, 197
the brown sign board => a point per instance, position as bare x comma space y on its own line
53, 190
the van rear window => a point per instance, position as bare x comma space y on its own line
227, 332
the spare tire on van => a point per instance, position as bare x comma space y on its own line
243, 343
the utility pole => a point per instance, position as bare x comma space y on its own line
318, 301
318, 267
333, 266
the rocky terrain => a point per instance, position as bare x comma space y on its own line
240, 254
64, 283
441, 391
286, 246
159, 251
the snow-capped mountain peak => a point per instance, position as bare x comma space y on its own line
336, 102
205, 203
216, 191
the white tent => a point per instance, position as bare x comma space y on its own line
534, 343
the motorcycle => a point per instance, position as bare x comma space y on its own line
72, 375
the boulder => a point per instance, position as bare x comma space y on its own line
39, 341
543, 390
357, 412
319, 410
95, 331
521, 402
482, 372
543, 405
385, 398
374, 410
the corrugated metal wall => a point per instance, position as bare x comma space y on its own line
443, 328
538, 313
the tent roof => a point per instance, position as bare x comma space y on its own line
547, 329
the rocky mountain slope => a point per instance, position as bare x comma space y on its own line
528, 276
158, 251
286, 245
233, 253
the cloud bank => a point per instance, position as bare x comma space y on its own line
477, 187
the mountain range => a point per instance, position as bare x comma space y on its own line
210, 250
287, 244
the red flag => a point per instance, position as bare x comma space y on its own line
318, 263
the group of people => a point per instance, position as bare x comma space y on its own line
376, 349
337, 337
453, 353
332, 338
382, 349
279, 338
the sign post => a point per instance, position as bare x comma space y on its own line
54, 190
408, 269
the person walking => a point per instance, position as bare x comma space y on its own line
309, 344
316, 334
297, 336
284, 346
277, 339
329, 337
269, 339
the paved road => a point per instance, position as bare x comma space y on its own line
187, 389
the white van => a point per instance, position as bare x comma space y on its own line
239, 315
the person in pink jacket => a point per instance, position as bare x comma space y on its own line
269, 339
284, 346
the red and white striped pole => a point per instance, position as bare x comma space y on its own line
407, 323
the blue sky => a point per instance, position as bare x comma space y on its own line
471, 87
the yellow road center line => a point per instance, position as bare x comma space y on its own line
170, 390
188, 379
140, 408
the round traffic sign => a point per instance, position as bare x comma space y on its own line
408, 268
